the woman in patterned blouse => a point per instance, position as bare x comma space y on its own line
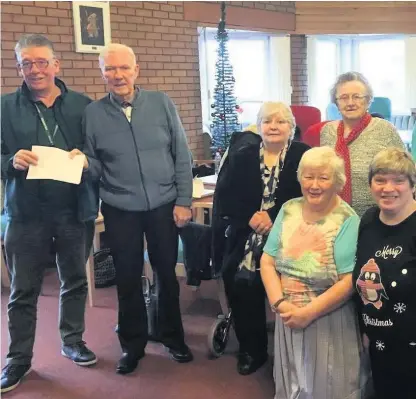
306, 270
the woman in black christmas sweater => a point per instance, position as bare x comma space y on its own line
385, 275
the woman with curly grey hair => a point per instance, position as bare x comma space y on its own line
358, 137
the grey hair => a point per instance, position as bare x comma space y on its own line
351, 77
32, 40
321, 157
113, 48
393, 160
270, 108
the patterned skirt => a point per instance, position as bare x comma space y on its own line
324, 361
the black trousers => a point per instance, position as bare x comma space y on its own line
125, 231
247, 302
394, 370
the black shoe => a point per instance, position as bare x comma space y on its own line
128, 363
181, 355
247, 364
12, 374
79, 354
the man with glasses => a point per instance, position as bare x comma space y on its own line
43, 112
137, 149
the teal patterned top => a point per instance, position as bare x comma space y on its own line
311, 256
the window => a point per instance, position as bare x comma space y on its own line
326, 71
252, 57
242, 53
250, 77
383, 62
381, 58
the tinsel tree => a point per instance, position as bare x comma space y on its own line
224, 115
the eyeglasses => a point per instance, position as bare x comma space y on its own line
355, 98
28, 65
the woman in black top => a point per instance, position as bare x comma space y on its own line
258, 175
385, 275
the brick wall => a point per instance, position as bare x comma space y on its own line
283, 6
165, 43
298, 45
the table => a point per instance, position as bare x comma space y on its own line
99, 228
206, 202
198, 206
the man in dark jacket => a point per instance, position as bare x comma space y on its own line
43, 112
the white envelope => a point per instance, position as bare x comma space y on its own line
55, 164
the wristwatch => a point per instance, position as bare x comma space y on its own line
277, 303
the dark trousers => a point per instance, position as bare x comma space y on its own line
125, 231
247, 302
27, 245
394, 370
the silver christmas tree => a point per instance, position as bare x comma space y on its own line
224, 114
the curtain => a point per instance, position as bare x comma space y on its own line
410, 71
280, 69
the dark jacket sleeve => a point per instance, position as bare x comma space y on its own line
237, 197
239, 185
7, 169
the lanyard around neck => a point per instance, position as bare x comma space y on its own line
45, 127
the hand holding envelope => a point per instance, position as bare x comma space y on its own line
56, 164
23, 158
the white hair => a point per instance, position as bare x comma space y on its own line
323, 157
113, 48
351, 77
270, 108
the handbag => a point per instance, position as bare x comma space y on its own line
104, 270
151, 299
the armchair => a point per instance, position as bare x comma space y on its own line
305, 116
381, 105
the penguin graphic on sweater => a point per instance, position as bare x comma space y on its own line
369, 285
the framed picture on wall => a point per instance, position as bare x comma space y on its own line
92, 27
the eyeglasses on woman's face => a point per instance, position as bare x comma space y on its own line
355, 98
